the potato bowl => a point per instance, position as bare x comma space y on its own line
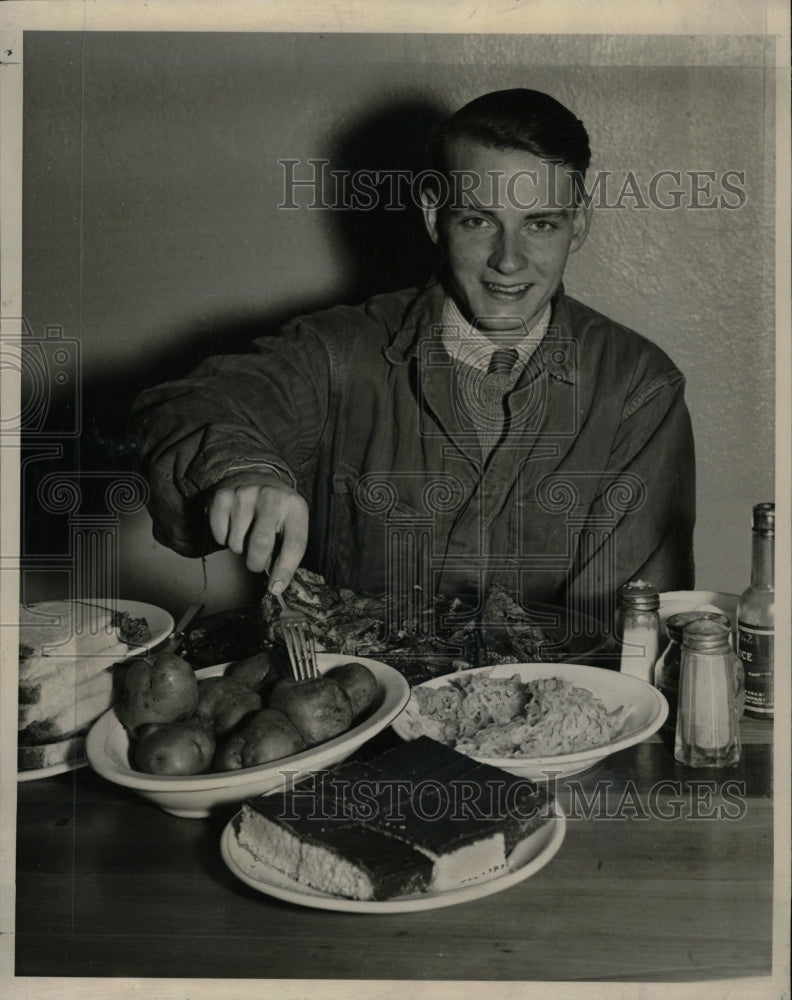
648, 712
196, 796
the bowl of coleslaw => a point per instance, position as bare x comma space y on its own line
537, 720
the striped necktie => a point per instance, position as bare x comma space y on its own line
502, 361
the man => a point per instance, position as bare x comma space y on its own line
395, 443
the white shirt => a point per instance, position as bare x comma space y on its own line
469, 346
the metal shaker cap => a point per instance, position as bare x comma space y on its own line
676, 624
706, 635
638, 595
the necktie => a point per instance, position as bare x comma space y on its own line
502, 361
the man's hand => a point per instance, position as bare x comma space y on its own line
250, 516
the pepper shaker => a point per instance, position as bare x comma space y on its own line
666, 671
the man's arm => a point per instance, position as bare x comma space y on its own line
212, 447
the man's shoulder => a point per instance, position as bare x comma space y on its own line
375, 321
598, 332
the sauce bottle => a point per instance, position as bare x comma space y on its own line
756, 617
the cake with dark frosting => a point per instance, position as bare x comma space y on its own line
420, 817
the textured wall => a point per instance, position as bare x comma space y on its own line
151, 228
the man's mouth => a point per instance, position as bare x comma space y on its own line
507, 291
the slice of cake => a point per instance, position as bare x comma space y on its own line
328, 853
464, 815
421, 816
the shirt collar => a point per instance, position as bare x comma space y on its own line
466, 343
422, 321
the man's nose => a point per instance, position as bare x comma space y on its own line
508, 253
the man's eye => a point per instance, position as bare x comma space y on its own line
540, 226
475, 222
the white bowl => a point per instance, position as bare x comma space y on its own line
195, 796
648, 712
674, 601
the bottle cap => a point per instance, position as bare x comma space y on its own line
676, 624
638, 595
705, 635
764, 518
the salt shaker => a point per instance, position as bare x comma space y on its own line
638, 628
666, 671
707, 731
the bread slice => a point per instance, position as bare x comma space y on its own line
69, 721
64, 675
67, 751
60, 691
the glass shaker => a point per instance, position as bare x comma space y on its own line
638, 628
666, 671
707, 731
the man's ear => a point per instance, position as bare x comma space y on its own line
581, 223
431, 215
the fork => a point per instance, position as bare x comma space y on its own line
300, 642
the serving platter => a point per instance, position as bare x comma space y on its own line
528, 857
647, 711
160, 624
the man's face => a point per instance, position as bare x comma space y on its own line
507, 238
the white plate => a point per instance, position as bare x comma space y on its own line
36, 774
160, 625
195, 796
649, 710
527, 858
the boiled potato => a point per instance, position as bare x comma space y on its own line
223, 703
318, 708
175, 748
359, 685
266, 736
260, 672
163, 688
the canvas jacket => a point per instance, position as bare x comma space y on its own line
363, 412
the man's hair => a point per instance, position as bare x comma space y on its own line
515, 119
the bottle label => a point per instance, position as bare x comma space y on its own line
755, 649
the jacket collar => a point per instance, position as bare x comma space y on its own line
557, 353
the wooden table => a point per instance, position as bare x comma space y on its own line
666, 874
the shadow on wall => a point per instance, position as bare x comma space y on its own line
379, 250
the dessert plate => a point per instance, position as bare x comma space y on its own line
527, 858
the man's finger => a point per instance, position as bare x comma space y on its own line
293, 543
219, 514
261, 542
243, 511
